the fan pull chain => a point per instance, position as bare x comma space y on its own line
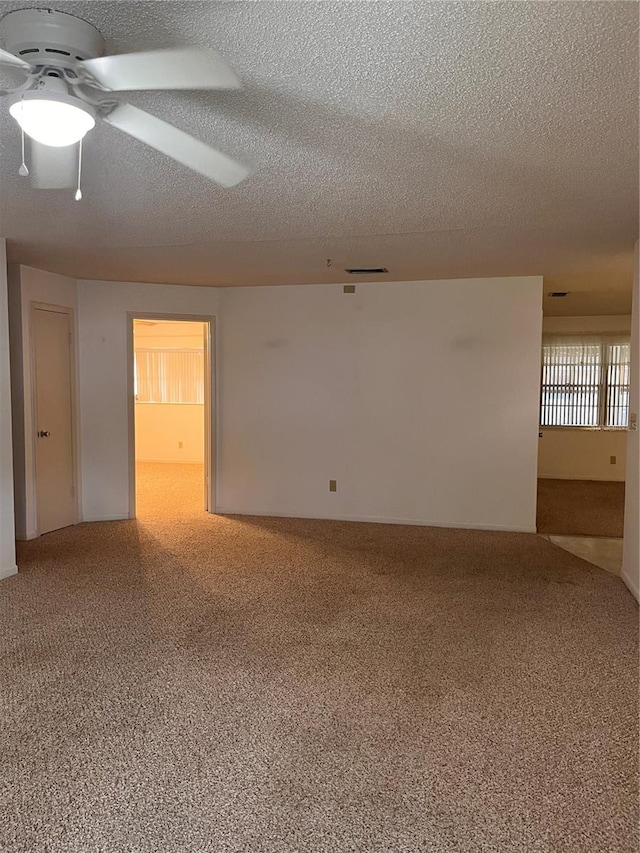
22, 171
78, 194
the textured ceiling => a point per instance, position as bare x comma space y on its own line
435, 139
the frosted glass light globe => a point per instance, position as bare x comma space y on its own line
53, 119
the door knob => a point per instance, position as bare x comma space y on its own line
44, 433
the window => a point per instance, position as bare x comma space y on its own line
169, 376
585, 381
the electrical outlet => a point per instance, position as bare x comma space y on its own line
333, 485
180, 445
612, 460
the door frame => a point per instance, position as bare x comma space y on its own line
73, 377
210, 401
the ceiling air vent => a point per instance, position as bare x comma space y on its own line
558, 294
366, 270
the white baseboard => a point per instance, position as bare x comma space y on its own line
412, 522
116, 517
631, 584
8, 572
26, 537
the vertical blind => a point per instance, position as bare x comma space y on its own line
617, 385
585, 381
169, 376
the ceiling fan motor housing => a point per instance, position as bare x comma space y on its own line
47, 38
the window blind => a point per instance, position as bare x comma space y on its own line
585, 381
169, 376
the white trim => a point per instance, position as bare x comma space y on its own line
412, 522
118, 516
571, 428
30, 534
8, 572
631, 585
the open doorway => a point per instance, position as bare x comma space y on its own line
170, 416
583, 435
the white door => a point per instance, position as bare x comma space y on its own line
55, 481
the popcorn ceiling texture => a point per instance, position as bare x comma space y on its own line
438, 139
198, 684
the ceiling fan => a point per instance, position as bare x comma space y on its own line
69, 85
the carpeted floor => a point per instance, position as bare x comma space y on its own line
581, 508
187, 683
169, 489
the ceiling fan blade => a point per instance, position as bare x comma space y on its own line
177, 144
178, 68
7, 58
53, 168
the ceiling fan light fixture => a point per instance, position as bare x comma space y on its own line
52, 118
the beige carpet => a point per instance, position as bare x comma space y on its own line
581, 508
169, 489
217, 685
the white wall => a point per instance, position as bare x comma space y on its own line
604, 323
103, 307
582, 454
631, 554
577, 454
411, 394
169, 432
28, 285
169, 334
420, 398
7, 534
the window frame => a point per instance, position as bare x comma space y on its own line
605, 340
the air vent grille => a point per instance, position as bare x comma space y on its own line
366, 270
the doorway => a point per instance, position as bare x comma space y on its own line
583, 436
171, 389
